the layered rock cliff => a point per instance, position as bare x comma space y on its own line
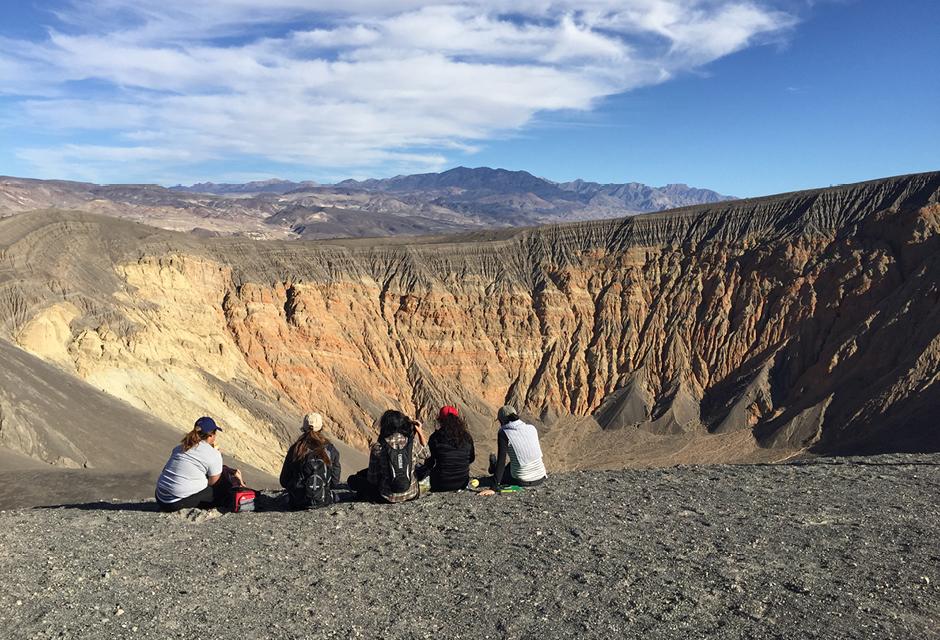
802, 320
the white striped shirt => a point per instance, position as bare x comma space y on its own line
525, 453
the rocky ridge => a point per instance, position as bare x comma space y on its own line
457, 200
744, 330
254, 187
497, 196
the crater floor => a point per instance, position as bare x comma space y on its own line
829, 548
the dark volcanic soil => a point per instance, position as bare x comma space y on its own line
831, 549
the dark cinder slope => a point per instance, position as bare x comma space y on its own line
63, 441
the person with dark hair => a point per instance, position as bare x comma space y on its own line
518, 458
394, 460
311, 470
194, 468
452, 452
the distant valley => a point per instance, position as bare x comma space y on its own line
461, 199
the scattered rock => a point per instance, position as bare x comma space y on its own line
757, 572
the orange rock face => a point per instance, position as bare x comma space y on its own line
802, 320
791, 318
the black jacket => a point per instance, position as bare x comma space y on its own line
449, 463
292, 468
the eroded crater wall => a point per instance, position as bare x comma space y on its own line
807, 319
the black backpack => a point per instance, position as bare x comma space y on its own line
312, 488
399, 464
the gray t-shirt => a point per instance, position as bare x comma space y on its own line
185, 473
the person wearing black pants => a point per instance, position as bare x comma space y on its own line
190, 478
205, 499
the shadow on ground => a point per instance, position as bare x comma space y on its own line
103, 505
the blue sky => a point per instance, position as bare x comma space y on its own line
747, 97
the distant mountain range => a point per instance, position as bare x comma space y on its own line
466, 185
484, 182
480, 180
457, 200
257, 186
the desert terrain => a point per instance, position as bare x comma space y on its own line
693, 244
750, 330
833, 548
697, 377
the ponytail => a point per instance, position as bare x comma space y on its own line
193, 438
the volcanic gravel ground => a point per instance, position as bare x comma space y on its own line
834, 548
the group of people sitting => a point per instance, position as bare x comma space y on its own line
400, 460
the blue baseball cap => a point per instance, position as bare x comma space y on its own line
207, 425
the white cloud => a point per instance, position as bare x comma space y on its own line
360, 84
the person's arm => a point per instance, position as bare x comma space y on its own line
422, 455
335, 467
424, 470
373, 474
213, 466
419, 432
286, 470
473, 452
502, 455
421, 459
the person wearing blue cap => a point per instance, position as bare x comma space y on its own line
194, 467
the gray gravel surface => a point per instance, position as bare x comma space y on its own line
835, 548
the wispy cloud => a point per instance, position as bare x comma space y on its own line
359, 85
